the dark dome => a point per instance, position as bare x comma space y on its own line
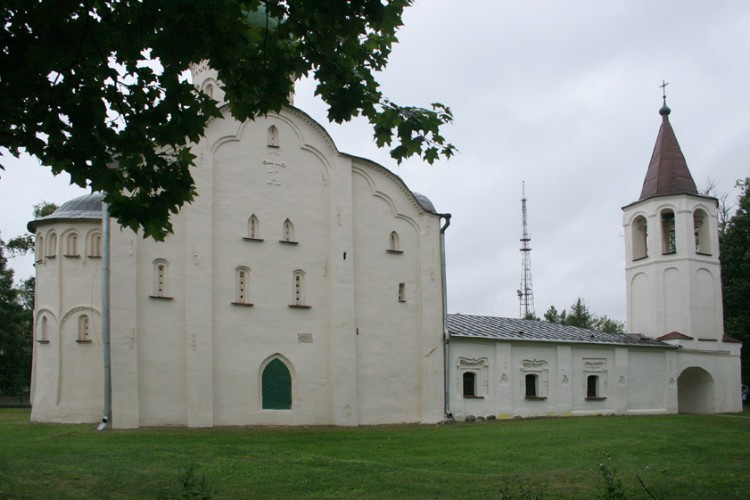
86, 207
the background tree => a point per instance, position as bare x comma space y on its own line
579, 315
87, 84
25, 243
15, 333
735, 274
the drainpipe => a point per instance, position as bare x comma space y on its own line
105, 423
446, 335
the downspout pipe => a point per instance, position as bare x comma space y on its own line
448, 416
106, 418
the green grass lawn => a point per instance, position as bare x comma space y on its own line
676, 456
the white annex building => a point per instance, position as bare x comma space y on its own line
305, 286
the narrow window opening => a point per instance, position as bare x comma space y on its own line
95, 245
52, 245
640, 238
253, 226
298, 290
83, 329
242, 287
273, 137
531, 386
470, 384
402, 292
43, 331
71, 245
394, 245
669, 243
39, 249
702, 235
161, 280
287, 233
592, 386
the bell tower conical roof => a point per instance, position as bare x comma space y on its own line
668, 172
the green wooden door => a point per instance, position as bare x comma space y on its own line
277, 386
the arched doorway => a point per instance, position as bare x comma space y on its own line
277, 386
695, 391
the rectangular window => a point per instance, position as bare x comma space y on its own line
592, 384
531, 386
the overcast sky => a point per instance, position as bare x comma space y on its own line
561, 95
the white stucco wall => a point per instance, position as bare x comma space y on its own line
631, 380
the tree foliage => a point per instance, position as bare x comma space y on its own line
16, 318
735, 274
579, 315
89, 84
21, 245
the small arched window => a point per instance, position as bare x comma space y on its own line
592, 386
702, 232
668, 235
273, 137
71, 245
253, 228
52, 245
83, 329
242, 286
39, 249
277, 386
394, 243
95, 244
161, 279
43, 334
298, 289
640, 238
209, 90
287, 232
470, 384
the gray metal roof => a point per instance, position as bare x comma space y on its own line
519, 330
86, 207
424, 202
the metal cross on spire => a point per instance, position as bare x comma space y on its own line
664, 91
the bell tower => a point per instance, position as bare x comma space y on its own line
672, 251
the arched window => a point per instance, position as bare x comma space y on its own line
209, 90
702, 233
43, 334
161, 279
253, 228
639, 230
83, 329
277, 386
298, 288
71, 245
52, 245
39, 249
273, 136
287, 232
668, 236
95, 244
531, 385
242, 286
394, 244
470, 384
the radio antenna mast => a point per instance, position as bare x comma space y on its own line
526, 292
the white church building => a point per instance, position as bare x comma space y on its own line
305, 286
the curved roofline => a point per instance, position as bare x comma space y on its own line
85, 208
